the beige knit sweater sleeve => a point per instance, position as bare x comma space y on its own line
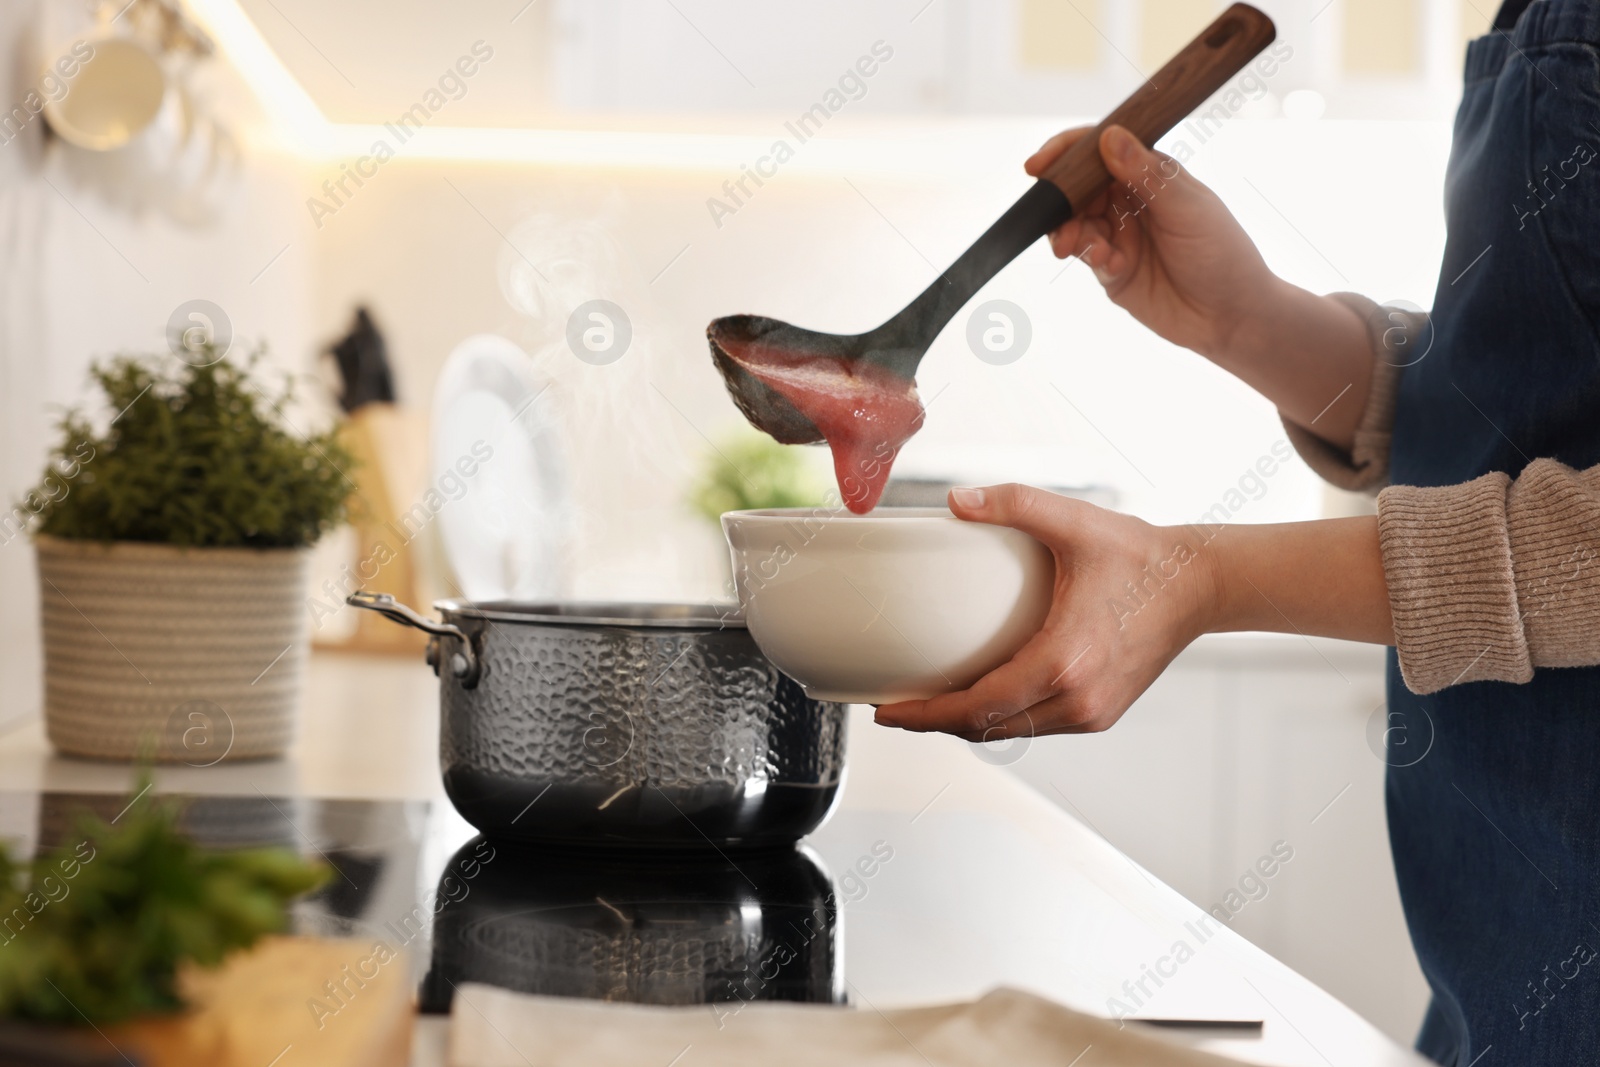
1488, 580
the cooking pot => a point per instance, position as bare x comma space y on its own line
610, 724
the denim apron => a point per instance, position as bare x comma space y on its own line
1496, 830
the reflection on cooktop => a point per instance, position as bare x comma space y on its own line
215, 822
374, 847
654, 928
650, 929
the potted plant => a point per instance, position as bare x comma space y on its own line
750, 470
745, 470
173, 550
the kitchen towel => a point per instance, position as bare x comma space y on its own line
492, 1027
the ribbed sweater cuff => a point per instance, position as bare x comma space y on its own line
1554, 518
1447, 556
1366, 465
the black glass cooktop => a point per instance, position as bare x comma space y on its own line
876, 908
667, 928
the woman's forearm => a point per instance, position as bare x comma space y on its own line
1323, 578
1310, 355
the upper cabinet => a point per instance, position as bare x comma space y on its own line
704, 63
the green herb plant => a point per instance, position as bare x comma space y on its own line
193, 455
751, 470
94, 931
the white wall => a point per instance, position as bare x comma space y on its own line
437, 248
83, 279
441, 250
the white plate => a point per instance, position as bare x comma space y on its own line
498, 465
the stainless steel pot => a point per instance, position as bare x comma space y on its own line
647, 725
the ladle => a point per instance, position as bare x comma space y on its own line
1066, 188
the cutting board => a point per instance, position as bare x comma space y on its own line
289, 1002
391, 525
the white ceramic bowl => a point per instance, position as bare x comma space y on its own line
897, 604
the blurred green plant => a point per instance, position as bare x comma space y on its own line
194, 455
95, 930
751, 470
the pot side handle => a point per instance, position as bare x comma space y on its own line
463, 664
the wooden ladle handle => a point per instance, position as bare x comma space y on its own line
1206, 63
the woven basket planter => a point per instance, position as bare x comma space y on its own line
191, 655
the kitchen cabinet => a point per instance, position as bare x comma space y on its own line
1247, 741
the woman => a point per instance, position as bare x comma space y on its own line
1482, 566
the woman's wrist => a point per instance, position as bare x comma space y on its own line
1322, 578
1310, 355
1254, 324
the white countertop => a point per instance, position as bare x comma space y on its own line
1082, 920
